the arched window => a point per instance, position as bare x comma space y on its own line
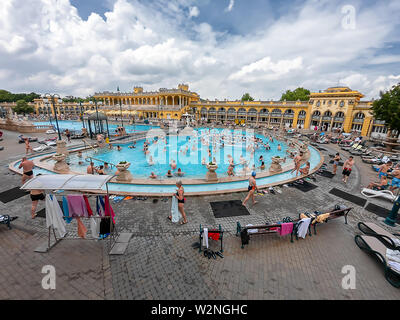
318, 103
316, 114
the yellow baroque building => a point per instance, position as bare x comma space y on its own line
336, 107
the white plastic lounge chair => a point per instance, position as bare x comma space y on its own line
369, 193
41, 148
376, 248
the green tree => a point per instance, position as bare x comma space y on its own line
247, 97
387, 109
23, 107
6, 96
297, 94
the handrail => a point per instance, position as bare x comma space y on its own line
85, 142
92, 158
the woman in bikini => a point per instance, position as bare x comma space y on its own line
181, 201
336, 160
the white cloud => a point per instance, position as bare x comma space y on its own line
266, 69
46, 46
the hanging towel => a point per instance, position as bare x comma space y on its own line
214, 235
81, 228
175, 214
77, 206
54, 216
94, 227
286, 228
303, 228
205, 237
104, 226
88, 208
108, 210
66, 211
100, 206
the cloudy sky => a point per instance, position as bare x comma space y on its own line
221, 48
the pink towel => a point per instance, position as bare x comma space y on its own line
77, 206
286, 228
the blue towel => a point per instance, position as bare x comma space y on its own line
66, 210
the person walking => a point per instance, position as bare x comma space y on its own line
180, 196
27, 169
347, 167
28, 146
251, 188
336, 160
36, 195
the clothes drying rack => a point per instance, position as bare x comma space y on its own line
93, 185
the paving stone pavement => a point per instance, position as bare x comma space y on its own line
161, 264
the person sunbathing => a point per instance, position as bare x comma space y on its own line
396, 179
381, 185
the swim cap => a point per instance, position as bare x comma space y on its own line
253, 173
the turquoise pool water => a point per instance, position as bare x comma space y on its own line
141, 168
77, 126
188, 153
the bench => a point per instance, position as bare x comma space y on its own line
332, 215
6, 219
266, 229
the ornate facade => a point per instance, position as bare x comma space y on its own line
336, 107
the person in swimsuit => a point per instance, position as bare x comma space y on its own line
27, 146
336, 160
252, 189
36, 195
381, 185
347, 167
297, 163
68, 134
181, 201
383, 170
395, 180
27, 166
306, 169
100, 171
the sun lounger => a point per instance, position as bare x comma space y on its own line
41, 148
371, 229
376, 248
369, 193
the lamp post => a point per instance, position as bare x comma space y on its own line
120, 110
83, 122
52, 98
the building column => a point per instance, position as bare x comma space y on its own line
367, 124
295, 119
348, 119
